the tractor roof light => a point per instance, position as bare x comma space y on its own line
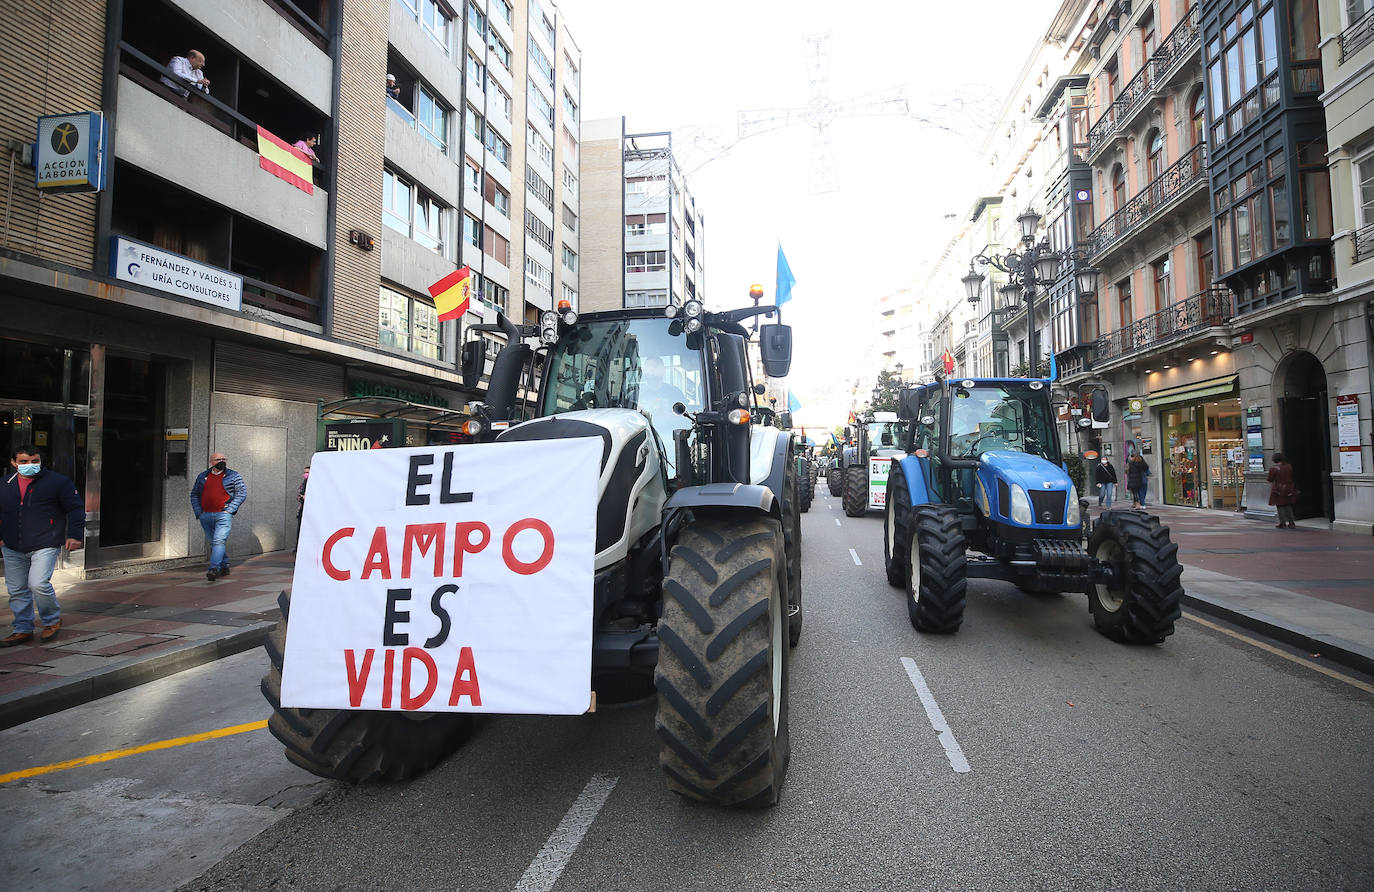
738, 416
693, 324
671, 311
569, 317
692, 309
564, 304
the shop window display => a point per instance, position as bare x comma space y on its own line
1180, 459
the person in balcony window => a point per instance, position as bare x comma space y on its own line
393, 89
189, 69
307, 146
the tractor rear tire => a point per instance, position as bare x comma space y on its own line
855, 498
834, 478
356, 745
792, 537
937, 568
1144, 602
722, 674
806, 489
895, 519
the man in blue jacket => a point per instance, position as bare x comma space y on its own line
215, 498
40, 514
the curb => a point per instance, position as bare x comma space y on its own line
1335, 650
64, 693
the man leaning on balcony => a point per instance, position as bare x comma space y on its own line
188, 69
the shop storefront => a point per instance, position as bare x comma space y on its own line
1202, 447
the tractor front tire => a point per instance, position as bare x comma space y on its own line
806, 489
895, 535
1141, 604
937, 568
855, 497
792, 536
834, 478
356, 745
722, 672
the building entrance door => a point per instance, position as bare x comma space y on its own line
57, 432
131, 469
1307, 436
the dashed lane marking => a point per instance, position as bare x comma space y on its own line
855, 555
953, 752
837, 522
1353, 682
548, 865
132, 751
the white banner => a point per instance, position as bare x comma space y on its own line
446, 579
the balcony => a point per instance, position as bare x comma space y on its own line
1197, 313
1181, 44
1358, 35
1178, 180
1364, 243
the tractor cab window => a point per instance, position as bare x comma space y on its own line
884, 435
1003, 416
642, 364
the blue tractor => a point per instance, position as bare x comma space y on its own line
982, 493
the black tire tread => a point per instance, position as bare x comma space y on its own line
834, 478
855, 497
1155, 599
898, 507
943, 595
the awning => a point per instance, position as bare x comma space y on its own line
384, 407
1198, 390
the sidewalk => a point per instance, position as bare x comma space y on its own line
1309, 587
123, 631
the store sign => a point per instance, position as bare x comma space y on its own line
437, 579
1135, 409
71, 153
1348, 432
362, 387
351, 436
151, 267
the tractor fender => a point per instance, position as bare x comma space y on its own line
733, 498
769, 453
916, 473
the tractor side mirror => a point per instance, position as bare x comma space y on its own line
775, 349
1101, 409
785, 420
886, 438
474, 362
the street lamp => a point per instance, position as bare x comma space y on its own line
1035, 265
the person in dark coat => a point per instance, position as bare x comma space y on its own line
1136, 473
1104, 475
40, 514
1283, 493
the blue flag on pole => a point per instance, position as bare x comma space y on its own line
783, 291
1054, 368
793, 404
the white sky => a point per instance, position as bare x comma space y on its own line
690, 67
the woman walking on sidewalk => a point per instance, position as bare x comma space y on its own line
1136, 473
1283, 494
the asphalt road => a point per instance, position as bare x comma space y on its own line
1203, 763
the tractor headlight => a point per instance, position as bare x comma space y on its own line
472, 427
1020, 506
743, 400
569, 317
692, 309
738, 416
693, 324
1072, 517
670, 311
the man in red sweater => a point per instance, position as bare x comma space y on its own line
215, 498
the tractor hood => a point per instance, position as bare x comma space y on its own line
1047, 503
1031, 471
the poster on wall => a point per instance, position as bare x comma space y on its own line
1254, 438
1348, 432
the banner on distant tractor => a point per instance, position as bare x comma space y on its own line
446, 579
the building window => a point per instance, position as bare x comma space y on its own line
1156, 155
1315, 185
476, 127
542, 150
1202, 245
541, 104
569, 107
655, 298
569, 219
497, 197
411, 213
570, 182
499, 50
1148, 41
540, 60
475, 72
538, 274
498, 147
570, 295
646, 261
1364, 190
1118, 187
646, 224
429, 223
500, 99
496, 295
472, 231
477, 20
570, 71
409, 324
536, 186
540, 231
643, 185
1199, 113
538, 15
435, 20
569, 259
1123, 303
497, 246
472, 175
397, 199
1242, 72
432, 119
1162, 269
504, 7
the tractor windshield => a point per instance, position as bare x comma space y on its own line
642, 364
1002, 415
884, 435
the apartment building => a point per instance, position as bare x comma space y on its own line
646, 238
217, 294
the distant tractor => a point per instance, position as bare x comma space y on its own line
866, 463
981, 493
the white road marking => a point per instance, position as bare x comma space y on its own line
855, 555
837, 522
937, 718
548, 865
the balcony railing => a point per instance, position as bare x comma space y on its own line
1181, 43
1358, 35
1178, 178
1215, 306
1364, 243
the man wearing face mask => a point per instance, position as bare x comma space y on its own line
40, 514
215, 498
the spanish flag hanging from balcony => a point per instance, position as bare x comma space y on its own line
281, 159
452, 293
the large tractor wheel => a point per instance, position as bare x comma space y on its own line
834, 478
1143, 600
356, 745
722, 672
936, 574
855, 497
806, 490
895, 517
792, 537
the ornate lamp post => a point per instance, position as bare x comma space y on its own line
1035, 265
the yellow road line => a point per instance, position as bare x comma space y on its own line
132, 751
1353, 682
